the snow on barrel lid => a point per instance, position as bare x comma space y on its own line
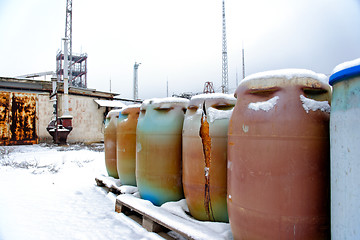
132, 106
345, 70
213, 96
113, 113
163, 103
289, 73
212, 99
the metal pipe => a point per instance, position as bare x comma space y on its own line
66, 78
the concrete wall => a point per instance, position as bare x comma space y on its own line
88, 118
44, 115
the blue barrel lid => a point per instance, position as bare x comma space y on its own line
344, 74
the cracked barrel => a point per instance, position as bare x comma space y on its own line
110, 142
126, 144
158, 149
278, 157
205, 155
345, 151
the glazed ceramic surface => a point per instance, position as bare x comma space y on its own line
205, 155
110, 142
278, 157
158, 150
126, 144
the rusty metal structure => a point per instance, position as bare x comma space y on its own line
79, 69
17, 118
209, 87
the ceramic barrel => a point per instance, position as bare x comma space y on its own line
278, 157
158, 149
110, 142
126, 144
345, 151
205, 155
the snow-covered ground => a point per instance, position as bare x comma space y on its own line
49, 192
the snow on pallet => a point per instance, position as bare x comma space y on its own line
113, 185
171, 216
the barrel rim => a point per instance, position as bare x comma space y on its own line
344, 74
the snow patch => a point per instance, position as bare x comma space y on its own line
65, 204
165, 102
265, 106
288, 74
229, 97
138, 146
215, 114
206, 170
245, 128
113, 113
345, 65
128, 189
131, 106
311, 104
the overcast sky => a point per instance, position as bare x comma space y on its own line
178, 41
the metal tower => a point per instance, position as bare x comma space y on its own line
225, 80
76, 63
136, 66
209, 87
68, 35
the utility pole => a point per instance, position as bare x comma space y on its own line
110, 84
167, 88
243, 60
237, 78
136, 66
225, 80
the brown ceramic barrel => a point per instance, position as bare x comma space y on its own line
205, 155
278, 157
126, 144
110, 142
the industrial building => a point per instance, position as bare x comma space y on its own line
26, 110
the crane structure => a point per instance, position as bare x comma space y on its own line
225, 80
76, 63
136, 67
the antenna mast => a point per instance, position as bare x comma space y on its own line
68, 36
225, 80
243, 61
136, 66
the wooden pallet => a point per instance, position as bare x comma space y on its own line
108, 183
113, 185
159, 220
